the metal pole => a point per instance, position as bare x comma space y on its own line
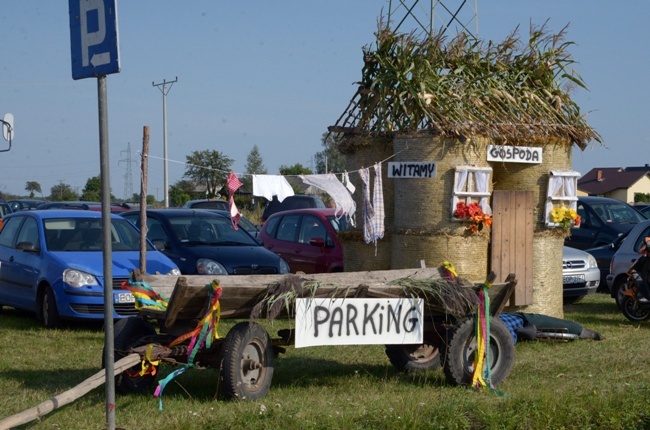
164, 91
109, 354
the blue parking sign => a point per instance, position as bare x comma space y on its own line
93, 38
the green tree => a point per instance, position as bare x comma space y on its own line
254, 165
32, 187
63, 192
330, 159
254, 162
296, 169
209, 168
92, 190
180, 193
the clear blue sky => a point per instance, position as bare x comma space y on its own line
271, 74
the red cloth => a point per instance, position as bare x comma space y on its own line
233, 183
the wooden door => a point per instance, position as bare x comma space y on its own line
511, 249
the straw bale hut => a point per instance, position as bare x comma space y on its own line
465, 107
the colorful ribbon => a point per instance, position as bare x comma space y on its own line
481, 377
145, 296
201, 337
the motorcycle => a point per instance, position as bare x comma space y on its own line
633, 306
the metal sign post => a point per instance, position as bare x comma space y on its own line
94, 48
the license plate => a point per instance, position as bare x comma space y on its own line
124, 298
574, 279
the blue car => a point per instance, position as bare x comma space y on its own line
204, 242
51, 262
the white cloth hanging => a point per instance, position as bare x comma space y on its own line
268, 186
378, 205
349, 185
329, 183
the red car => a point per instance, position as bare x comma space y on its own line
306, 239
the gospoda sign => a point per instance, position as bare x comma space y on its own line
514, 154
352, 321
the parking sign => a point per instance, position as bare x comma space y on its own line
93, 38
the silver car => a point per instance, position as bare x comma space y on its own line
624, 258
581, 274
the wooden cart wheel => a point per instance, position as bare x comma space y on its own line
130, 332
246, 362
458, 352
414, 358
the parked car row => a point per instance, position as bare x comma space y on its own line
50, 260
51, 263
612, 232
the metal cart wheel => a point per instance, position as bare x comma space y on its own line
414, 358
246, 362
129, 333
458, 352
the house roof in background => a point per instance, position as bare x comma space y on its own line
602, 180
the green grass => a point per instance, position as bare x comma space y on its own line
576, 385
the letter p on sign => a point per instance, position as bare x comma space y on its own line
93, 38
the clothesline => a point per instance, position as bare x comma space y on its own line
252, 174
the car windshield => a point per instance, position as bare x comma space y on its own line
85, 235
617, 213
217, 230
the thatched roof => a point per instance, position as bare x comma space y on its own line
512, 91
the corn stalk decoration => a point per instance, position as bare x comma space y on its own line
507, 91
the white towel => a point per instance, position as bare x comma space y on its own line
329, 183
268, 186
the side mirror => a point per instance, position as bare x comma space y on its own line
159, 244
26, 247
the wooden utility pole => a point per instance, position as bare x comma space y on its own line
143, 199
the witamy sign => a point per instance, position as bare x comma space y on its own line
411, 169
358, 321
514, 154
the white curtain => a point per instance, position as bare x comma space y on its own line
481, 179
461, 180
561, 184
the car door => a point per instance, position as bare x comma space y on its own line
314, 245
19, 262
284, 239
586, 235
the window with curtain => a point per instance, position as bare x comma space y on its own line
472, 184
562, 192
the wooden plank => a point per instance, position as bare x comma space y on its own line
241, 293
68, 396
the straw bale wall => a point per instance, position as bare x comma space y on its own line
424, 204
533, 177
423, 226
363, 152
468, 253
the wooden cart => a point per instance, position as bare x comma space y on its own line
245, 356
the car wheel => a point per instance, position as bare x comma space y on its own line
129, 333
458, 352
414, 358
246, 362
47, 311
